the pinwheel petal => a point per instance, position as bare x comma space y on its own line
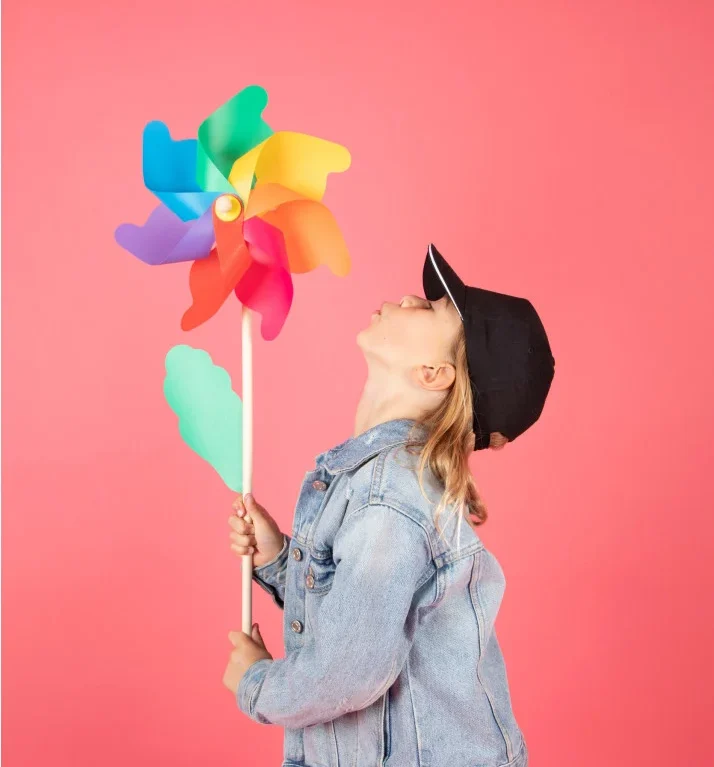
210, 285
170, 172
247, 253
294, 160
268, 240
266, 287
166, 239
264, 197
231, 131
210, 413
312, 236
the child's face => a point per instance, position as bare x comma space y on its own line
412, 333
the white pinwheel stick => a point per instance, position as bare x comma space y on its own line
247, 559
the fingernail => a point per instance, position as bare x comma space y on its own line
249, 496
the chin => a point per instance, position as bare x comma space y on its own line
365, 339
360, 337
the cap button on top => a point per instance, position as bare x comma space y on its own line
297, 554
318, 484
296, 626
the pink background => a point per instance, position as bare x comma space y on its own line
561, 151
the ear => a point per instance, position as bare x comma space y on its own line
436, 377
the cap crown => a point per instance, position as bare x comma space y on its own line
510, 363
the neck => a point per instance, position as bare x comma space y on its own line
386, 397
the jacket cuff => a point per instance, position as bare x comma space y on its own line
271, 575
249, 688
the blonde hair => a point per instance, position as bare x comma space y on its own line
450, 442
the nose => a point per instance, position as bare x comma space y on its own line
411, 300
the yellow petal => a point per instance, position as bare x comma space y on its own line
294, 160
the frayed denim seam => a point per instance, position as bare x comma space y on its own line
480, 620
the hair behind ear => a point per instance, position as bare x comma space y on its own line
449, 444
497, 440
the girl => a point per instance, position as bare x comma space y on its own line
389, 595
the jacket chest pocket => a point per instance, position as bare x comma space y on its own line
319, 574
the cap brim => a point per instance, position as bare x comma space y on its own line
439, 279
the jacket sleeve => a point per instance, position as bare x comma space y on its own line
271, 575
366, 626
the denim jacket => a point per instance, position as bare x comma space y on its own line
391, 655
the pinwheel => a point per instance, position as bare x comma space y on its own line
244, 205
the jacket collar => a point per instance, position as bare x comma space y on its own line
356, 450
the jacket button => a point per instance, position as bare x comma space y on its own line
296, 626
318, 484
297, 554
309, 581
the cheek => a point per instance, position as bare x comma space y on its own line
389, 335
428, 340
410, 337
403, 339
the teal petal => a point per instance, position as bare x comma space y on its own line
210, 413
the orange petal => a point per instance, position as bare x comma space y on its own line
210, 284
266, 197
312, 236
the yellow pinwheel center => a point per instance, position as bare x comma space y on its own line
228, 207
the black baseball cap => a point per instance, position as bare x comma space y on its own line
509, 358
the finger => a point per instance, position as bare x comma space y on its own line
244, 510
242, 550
239, 508
243, 540
241, 525
237, 637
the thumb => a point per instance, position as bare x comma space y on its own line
256, 635
253, 507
